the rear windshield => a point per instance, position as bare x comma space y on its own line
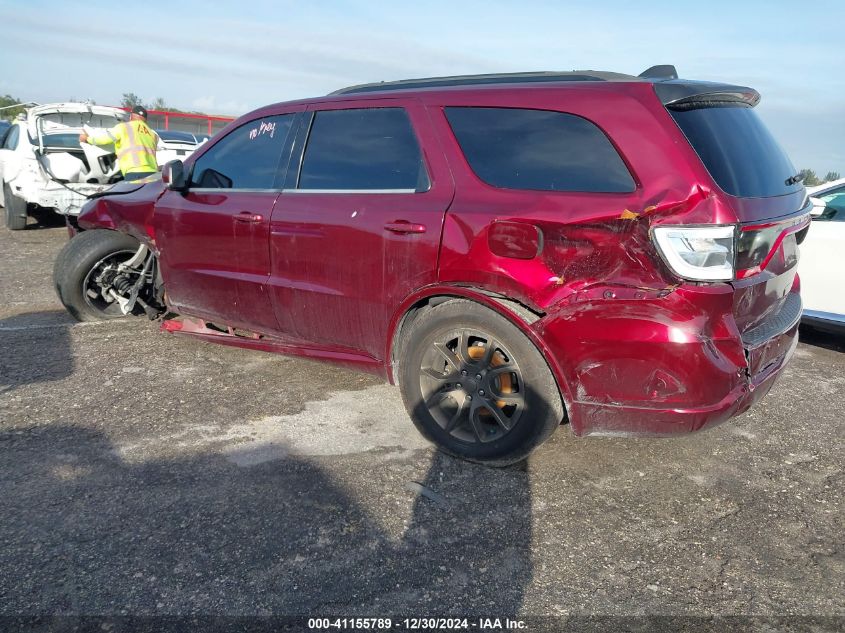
179, 137
738, 151
66, 141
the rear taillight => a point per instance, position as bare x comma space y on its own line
699, 253
725, 252
757, 244
753, 247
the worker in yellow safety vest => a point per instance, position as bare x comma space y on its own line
134, 142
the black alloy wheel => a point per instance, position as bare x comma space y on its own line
471, 386
475, 385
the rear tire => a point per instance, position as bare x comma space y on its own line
77, 261
15, 210
476, 386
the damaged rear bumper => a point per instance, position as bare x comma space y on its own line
64, 200
668, 366
609, 419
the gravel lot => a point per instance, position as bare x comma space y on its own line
143, 473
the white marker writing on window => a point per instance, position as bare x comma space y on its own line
265, 127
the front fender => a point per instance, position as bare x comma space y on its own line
128, 208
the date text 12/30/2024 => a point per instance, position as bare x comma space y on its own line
416, 624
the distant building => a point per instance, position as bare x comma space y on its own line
186, 121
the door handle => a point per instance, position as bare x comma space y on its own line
246, 216
403, 226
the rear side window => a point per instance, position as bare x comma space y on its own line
363, 149
247, 158
739, 152
538, 149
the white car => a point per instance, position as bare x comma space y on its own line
823, 258
42, 162
176, 145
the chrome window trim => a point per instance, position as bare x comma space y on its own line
229, 190
340, 191
349, 191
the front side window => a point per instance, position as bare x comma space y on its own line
541, 150
247, 158
363, 149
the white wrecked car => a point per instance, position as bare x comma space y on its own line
43, 164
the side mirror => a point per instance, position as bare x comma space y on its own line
818, 207
173, 176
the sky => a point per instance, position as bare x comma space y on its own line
231, 57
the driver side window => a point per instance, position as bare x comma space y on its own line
247, 158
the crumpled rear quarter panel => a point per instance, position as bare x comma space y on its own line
633, 364
636, 349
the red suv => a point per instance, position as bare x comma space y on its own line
515, 251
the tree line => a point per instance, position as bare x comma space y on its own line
130, 100
10, 113
811, 180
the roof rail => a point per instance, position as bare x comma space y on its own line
663, 71
481, 80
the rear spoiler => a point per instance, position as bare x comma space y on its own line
680, 94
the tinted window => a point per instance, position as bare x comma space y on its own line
65, 141
181, 137
738, 151
362, 149
538, 149
247, 158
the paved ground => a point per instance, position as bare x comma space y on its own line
143, 473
